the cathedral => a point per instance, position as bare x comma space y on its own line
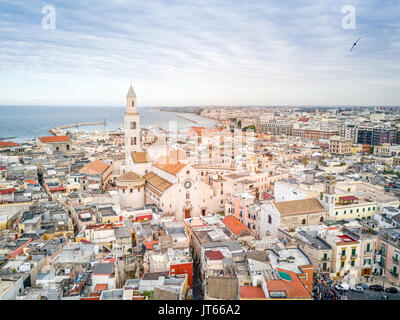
167, 181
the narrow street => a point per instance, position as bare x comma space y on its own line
197, 287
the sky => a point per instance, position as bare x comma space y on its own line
200, 53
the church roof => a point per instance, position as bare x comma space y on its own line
156, 182
287, 208
131, 92
140, 157
169, 165
129, 176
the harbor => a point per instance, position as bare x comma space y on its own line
60, 129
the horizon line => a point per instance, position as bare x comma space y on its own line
207, 106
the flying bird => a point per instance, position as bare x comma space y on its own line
355, 43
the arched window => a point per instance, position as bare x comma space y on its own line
321, 219
269, 219
304, 221
133, 103
134, 141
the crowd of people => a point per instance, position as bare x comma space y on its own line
324, 288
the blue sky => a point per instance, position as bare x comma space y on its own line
200, 53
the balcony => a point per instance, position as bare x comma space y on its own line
353, 256
366, 252
343, 257
325, 259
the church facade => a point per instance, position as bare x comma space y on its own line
169, 181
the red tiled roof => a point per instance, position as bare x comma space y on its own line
293, 289
7, 191
169, 165
149, 244
348, 198
267, 196
5, 144
214, 255
94, 167
31, 181
50, 139
249, 292
346, 239
101, 287
197, 130
234, 225
59, 188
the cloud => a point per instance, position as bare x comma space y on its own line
199, 53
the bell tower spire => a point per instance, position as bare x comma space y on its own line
132, 126
131, 101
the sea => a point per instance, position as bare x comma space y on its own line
21, 123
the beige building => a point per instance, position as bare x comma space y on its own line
290, 214
130, 190
382, 150
176, 187
340, 145
98, 168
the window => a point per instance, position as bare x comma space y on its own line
337, 212
133, 103
269, 219
363, 209
352, 263
342, 265
131, 190
351, 211
321, 219
343, 252
358, 210
187, 195
353, 252
368, 247
133, 124
344, 212
304, 221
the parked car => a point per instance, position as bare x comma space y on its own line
342, 287
391, 290
376, 287
357, 288
363, 285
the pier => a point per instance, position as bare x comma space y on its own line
59, 129
178, 115
7, 138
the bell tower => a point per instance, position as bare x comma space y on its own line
329, 196
132, 126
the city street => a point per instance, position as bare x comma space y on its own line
324, 289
